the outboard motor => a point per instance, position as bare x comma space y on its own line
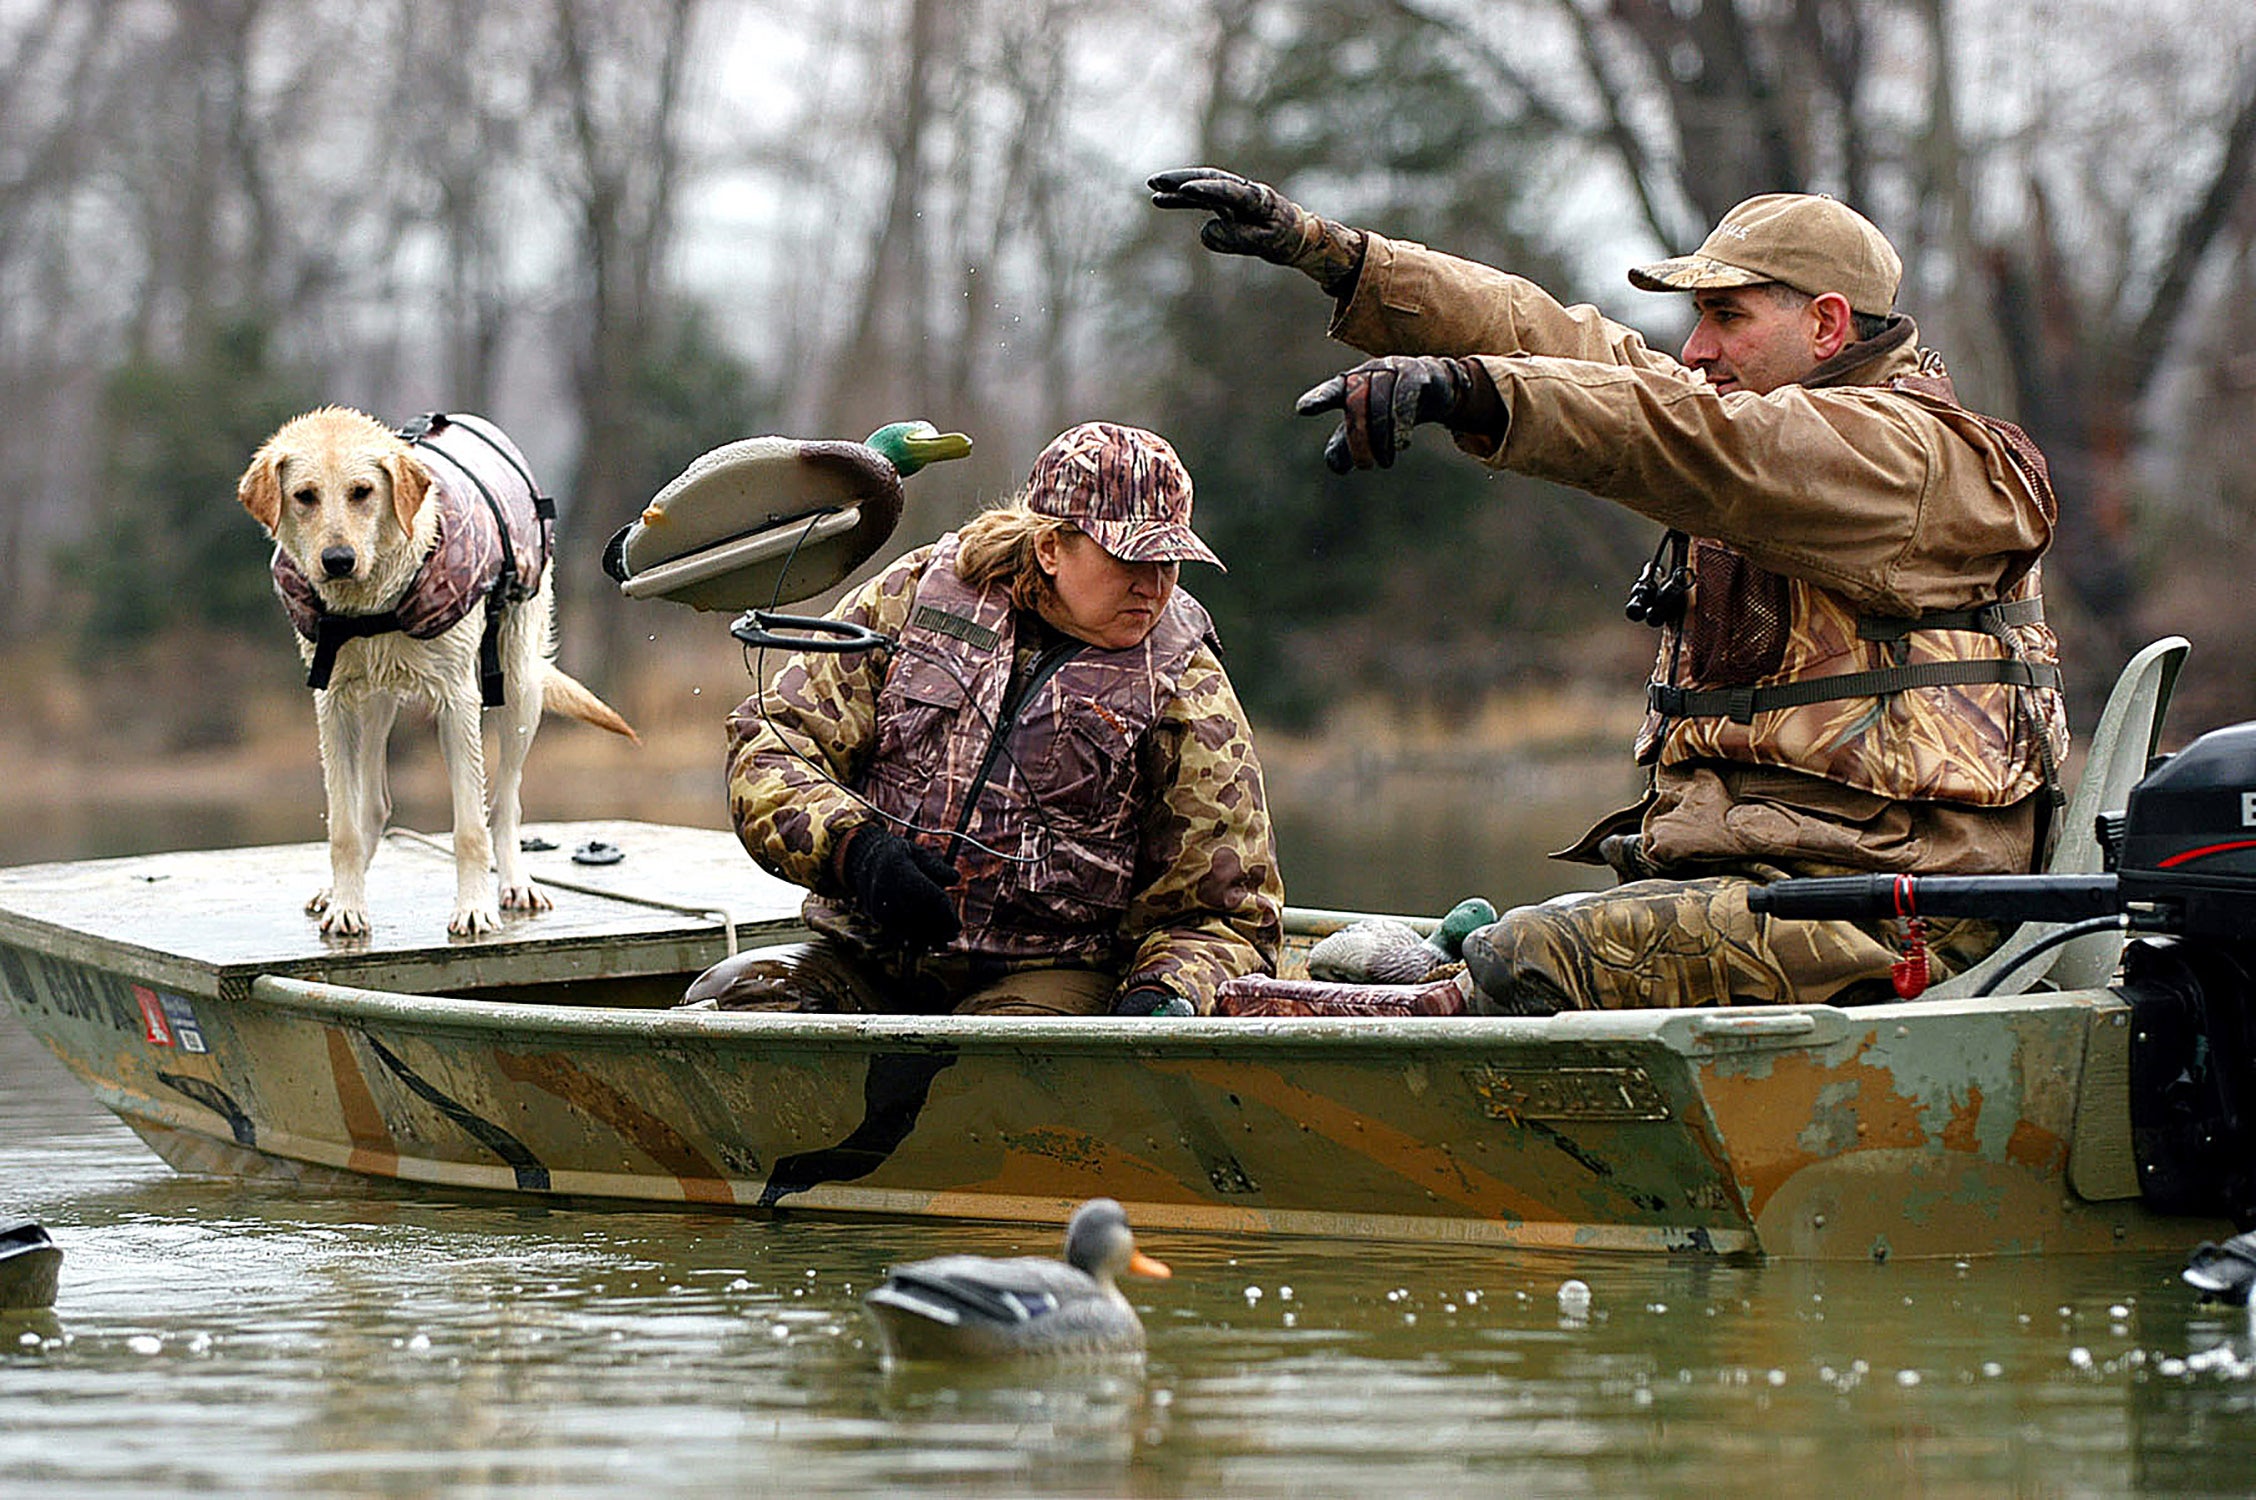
2182, 868
2185, 848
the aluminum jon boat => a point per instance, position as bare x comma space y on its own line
196, 1000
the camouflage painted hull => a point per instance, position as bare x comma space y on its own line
1955, 1128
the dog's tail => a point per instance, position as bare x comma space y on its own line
564, 695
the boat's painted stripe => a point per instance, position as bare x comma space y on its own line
216, 1099
531, 1173
1442, 1173
701, 1181
373, 1148
893, 1094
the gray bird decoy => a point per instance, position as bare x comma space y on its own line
1385, 950
2223, 1273
30, 1263
974, 1307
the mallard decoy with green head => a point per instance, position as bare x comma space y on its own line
1387, 950
766, 521
975, 1307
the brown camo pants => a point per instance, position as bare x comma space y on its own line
1674, 943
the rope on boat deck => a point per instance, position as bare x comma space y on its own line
720, 914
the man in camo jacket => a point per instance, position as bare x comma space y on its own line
1044, 799
1854, 671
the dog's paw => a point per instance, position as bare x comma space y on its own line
473, 921
317, 903
342, 921
525, 898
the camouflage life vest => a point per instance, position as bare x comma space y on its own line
496, 531
1035, 771
1961, 706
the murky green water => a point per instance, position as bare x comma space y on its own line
218, 1336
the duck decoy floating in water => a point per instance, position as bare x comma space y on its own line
2223, 1273
973, 1307
30, 1261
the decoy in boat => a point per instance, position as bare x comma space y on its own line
30, 1262
2223, 1273
766, 521
1387, 950
974, 1307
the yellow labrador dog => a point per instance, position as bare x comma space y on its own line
415, 566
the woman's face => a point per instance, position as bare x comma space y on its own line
1098, 598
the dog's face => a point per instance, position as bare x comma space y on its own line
340, 492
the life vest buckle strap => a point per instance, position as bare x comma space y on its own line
961, 627
490, 681
330, 632
1741, 704
1990, 619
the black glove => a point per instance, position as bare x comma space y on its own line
1250, 218
901, 887
1151, 1000
1253, 218
1381, 400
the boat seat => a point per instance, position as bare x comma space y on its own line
2115, 759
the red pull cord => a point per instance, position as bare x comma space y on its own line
1910, 971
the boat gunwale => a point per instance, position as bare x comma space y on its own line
1704, 1031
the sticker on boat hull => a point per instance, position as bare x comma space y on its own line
154, 1029
168, 1020
183, 1019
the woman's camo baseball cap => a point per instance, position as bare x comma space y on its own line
1124, 487
1811, 243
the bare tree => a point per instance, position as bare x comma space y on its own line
2090, 285
624, 79
1709, 103
967, 271
459, 109
54, 82
881, 368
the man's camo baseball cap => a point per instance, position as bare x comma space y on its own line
1124, 487
1811, 243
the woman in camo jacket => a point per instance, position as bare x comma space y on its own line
1044, 798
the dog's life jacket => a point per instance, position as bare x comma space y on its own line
496, 534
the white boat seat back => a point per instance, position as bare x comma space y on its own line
2115, 759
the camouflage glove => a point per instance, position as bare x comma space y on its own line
1151, 1000
1252, 218
1381, 400
901, 887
